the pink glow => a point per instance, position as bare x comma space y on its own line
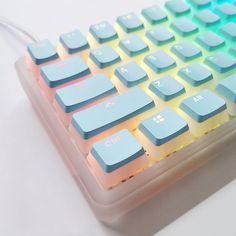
109, 180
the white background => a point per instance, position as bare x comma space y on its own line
37, 194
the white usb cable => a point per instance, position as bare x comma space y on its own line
11, 25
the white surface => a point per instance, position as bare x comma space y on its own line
37, 194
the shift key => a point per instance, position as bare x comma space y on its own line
112, 112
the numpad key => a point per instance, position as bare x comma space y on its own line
132, 107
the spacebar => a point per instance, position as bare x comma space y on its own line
112, 112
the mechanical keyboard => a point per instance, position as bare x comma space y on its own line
131, 104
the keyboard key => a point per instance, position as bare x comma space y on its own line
227, 10
195, 74
42, 52
207, 18
184, 27
177, 7
117, 158
160, 61
104, 56
105, 115
163, 126
221, 62
203, 105
103, 32
160, 35
186, 51
167, 88
130, 23
204, 112
131, 74
121, 146
229, 30
78, 95
64, 71
74, 42
200, 3
154, 15
163, 134
227, 88
133, 46
210, 40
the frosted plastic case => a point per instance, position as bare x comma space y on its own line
109, 205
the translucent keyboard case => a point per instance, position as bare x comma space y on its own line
109, 205
170, 128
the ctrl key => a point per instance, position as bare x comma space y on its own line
117, 158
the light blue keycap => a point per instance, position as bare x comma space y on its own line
229, 30
160, 61
163, 126
160, 35
154, 15
203, 105
130, 23
64, 71
227, 87
210, 40
186, 51
117, 150
207, 18
133, 46
112, 112
177, 7
184, 27
42, 51
221, 62
104, 56
227, 10
74, 41
200, 3
195, 74
233, 50
167, 88
78, 95
131, 74
103, 32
